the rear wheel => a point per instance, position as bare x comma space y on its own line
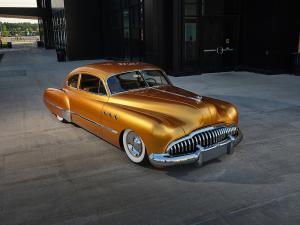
134, 146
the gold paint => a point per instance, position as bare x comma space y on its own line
158, 115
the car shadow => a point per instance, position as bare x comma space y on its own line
209, 172
181, 171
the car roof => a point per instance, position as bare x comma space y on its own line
106, 69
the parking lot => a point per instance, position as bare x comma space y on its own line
59, 174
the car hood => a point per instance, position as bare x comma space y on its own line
177, 106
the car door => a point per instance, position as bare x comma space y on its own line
87, 101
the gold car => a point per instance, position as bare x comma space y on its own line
134, 106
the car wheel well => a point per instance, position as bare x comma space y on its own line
121, 139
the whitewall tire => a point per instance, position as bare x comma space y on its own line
134, 146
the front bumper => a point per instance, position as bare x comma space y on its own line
201, 154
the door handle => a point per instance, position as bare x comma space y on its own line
219, 50
209, 50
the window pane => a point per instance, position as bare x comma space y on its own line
190, 31
126, 23
73, 81
91, 83
154, 77
190, 42
190, 10
125, 82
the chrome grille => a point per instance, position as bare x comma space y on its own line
205, 137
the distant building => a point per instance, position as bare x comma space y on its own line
182, 36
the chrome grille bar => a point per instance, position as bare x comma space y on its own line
205, 137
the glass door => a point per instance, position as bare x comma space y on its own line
210, 32
191, 34
219, 29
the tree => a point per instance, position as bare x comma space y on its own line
19, 29
5, 31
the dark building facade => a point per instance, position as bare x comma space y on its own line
182, 36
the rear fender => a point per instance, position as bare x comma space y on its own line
58, 103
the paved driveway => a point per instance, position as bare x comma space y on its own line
54, 173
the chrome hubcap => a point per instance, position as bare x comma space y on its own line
134, 144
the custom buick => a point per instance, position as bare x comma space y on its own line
135, 107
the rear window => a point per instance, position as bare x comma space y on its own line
73, 81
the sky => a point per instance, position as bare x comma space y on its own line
17, 3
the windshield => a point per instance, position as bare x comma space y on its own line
136, 80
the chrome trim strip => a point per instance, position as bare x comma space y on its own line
67, 116
52, 104
198, 98
98, 124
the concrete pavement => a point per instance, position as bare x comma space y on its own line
59, 174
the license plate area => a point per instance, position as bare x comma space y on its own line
213, 152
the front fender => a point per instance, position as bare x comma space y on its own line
227, 111
156, 129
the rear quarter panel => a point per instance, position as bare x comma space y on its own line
56, 101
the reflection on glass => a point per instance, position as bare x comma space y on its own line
190, 42
126, 24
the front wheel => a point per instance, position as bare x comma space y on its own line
134, 146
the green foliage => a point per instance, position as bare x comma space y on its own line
19, 29
5, 31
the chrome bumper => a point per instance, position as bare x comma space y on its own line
201, 154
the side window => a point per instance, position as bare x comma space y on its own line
92, 84
73, 81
